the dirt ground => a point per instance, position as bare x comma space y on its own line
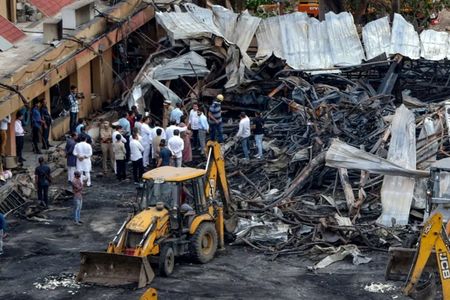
36, 250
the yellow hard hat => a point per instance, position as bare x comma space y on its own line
220, 97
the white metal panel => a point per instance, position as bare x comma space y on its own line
4, 44
404, 39
433, 44
318, 45
345, 44
397, 191
377, 37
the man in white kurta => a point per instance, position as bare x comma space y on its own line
83, 152
176, 145
146, 140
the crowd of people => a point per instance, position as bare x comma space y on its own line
136, 139
142, 142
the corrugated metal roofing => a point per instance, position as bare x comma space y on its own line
318, 45
287, 37
434, 44
190, 64
10, 32
225, 20
377, 37
345, 44
404, 39
181, 26
4, 44
50, 7
303, 42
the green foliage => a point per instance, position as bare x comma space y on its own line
419, 12
253, 4
264, 15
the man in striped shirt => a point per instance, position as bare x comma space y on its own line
215, 119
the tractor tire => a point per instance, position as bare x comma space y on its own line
166, 261
203, 243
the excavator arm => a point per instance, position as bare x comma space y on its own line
216, 176
433, 237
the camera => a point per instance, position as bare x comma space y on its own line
80, 95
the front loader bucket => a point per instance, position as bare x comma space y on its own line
111, 269
401, 260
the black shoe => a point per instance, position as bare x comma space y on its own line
22, 159
38, 152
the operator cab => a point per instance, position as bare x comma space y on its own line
178, 190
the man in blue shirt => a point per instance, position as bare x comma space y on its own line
48, 121
203, 128
215, 119
126, 127
176, 113
36, 124
43, 179
3, 233
164, 155
80, 124
84, 133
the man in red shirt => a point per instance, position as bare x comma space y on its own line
130, 119
77, 185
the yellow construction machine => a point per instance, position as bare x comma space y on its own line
182, 213
433, 240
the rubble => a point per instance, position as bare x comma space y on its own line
378, 287
63, 280
338, 143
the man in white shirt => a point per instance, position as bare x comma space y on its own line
146, 140
154, 129
176, 145
193, 124
83, 151
19, 136
136, 150
119, 130
244, 133
170, 130
3, 136
138, 123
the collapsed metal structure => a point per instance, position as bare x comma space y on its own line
389, 106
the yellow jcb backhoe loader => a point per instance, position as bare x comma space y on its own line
433, 240
180, 216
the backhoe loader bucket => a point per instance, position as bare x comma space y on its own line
111, 269
400, 261
425, 290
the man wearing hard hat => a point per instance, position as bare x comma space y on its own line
215, 119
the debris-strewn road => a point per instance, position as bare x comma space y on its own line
36, 251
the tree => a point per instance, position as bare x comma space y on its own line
419, 12
325, 6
